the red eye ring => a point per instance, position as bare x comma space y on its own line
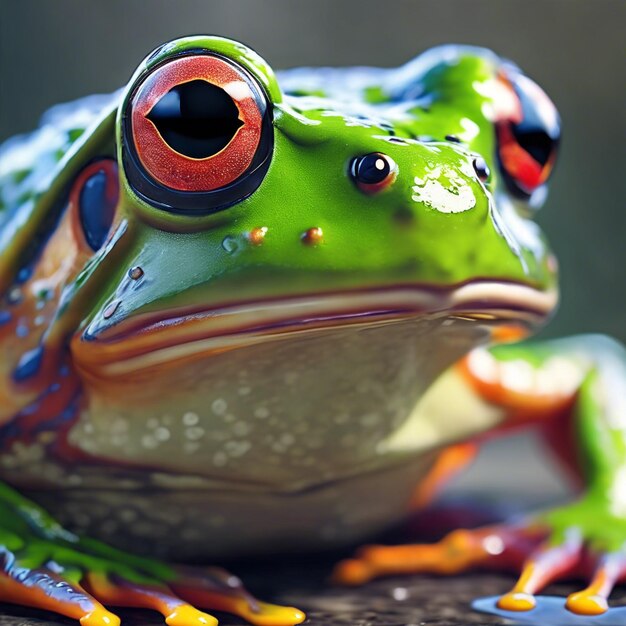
173, 169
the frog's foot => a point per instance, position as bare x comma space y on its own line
457, 552
78, 581
543, 551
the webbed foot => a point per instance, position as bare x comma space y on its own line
575, 541
45, 567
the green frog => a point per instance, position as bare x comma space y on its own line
246, 312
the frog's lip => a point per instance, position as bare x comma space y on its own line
155, 338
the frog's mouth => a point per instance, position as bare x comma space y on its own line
153, 339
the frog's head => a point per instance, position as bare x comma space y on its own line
251, 212
348, 200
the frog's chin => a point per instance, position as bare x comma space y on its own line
154, 340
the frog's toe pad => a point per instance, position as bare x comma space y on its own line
215, 589
553, 561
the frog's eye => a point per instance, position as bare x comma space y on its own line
373, 172
198, 133
94, 196
528, 136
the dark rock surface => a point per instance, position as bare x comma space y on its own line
402, 601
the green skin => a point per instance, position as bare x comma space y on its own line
378, 240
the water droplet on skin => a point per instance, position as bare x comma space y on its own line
230, 244
190, 418
14, 296
219, 406
110, 310
135, 273
5, 317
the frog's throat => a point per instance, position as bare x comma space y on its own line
151, 340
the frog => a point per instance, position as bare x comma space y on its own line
247, 311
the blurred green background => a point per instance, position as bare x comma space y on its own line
53, 51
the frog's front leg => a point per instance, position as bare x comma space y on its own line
575, 390
44, 566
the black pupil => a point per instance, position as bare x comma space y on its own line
371, 169
197, 119
534, 141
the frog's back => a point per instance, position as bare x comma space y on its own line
27, 161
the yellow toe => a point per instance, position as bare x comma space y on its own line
274, 615
517, 601
583, 603
100, 617
186, 615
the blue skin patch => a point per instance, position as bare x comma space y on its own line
551, 611
29, 365
96, 210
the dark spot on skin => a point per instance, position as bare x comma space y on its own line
110, 310
404, 216
135, 273
452, 138
397, 140
5, 317
29, 364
